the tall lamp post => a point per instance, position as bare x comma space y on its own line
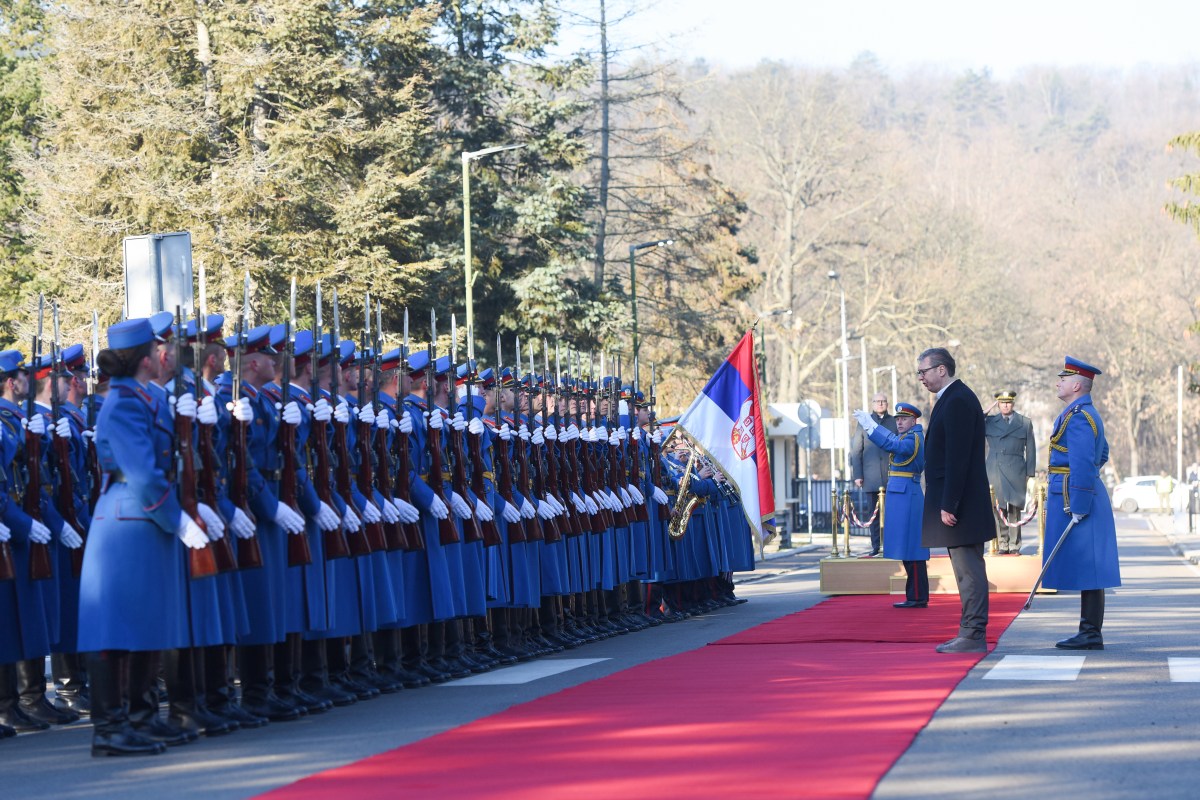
633, 248
875, 380
845, 359
467, 158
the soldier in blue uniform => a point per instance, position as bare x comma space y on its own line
1087, 561
904, 502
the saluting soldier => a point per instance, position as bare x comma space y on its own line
868, 465
904, 502
1011, 461
1087, 561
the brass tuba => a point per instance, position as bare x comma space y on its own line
685, 502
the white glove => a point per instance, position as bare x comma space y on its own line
523, 432
382, 420
88, 434
190, 533
288, 519
435, 420
407, 511
437, 507
290, 413
637, 434
626, 498
39, 533
37, 426
370, 513
185, 406
458, 422
506, 433
242, 411
321, 411
613, 439
389, 512
617, 502
405, 425
622, 433
660, 496
601, 500
601, 434
351, 520
576, 501
592, 508
70, 537
341, 413
636, 494
573, 432
568, 434
475, 426
461, 509
62, 428
5, 532
657, 438
1077, 518
559, 508
551, 433
865, 421
327, 518
366, 414
206, 412
241, 525
544, 511
212, 521
482, 511
538, 438
527, 509
511, 514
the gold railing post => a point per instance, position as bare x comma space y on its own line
996, 541
833, 511
1041, 490
846, 520
882, 508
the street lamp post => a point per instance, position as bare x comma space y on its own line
633, 248
875, 380
467, 158
845, 359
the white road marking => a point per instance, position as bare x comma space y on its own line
525, 673
1184, 670
1036, 668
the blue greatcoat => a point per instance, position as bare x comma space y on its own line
1088, 558
904, 502
131, 593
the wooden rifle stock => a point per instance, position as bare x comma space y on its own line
502, 454
491, 534
635, 472
40, 565
299, 553
201, 562
366, 485
207, 477
360, 545
412, 530
472, 532
335, 542
66, 500
534, 531
249, 552
447, 533
550, 527
395, 532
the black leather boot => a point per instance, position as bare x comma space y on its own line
70, 683
143, 701
1091, 620
112, 734
186, 709
11, 715
31, 687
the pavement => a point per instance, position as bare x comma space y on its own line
1027, 719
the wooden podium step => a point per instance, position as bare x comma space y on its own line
886, 576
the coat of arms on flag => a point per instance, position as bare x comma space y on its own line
743, 433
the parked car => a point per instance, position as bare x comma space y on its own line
1135, 493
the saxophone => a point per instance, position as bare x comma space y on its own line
685, 503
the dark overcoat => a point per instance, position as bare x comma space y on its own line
956, 473
1011, 457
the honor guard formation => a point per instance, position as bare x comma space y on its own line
262, 523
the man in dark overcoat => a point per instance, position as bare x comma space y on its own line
958, 510
1011, 462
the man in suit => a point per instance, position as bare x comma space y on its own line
1011, 461
869, 464
958, 509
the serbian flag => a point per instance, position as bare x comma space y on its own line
725, 421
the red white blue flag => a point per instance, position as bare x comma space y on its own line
725, 420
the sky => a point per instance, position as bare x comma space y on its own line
967, 34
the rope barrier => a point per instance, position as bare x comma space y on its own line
1003, 518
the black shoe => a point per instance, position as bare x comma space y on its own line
910, 604
356, 688
73, 703
7, 732
125, 742
452, 670
41, 710
384, 683
201, 721
272, 708
19, 721
332, 694
431, 672
305, 701
1089, 640
410, 679
157, 729
241, 716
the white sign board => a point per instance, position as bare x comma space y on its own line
835, 434
158, 274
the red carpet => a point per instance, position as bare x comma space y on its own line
817, 704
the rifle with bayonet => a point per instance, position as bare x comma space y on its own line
635, 447
403, 459
62, 453
394, 532
577, 465
95, 479
334, 541
603, 519
366, 467
540, 472
615, 473
472, 530
491, 534
502, 455
40, 565
360, 545
249, 552
554, 483
534, 530
202, 562
664, 511
447, 533
299, 553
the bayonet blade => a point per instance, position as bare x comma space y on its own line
453, 339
